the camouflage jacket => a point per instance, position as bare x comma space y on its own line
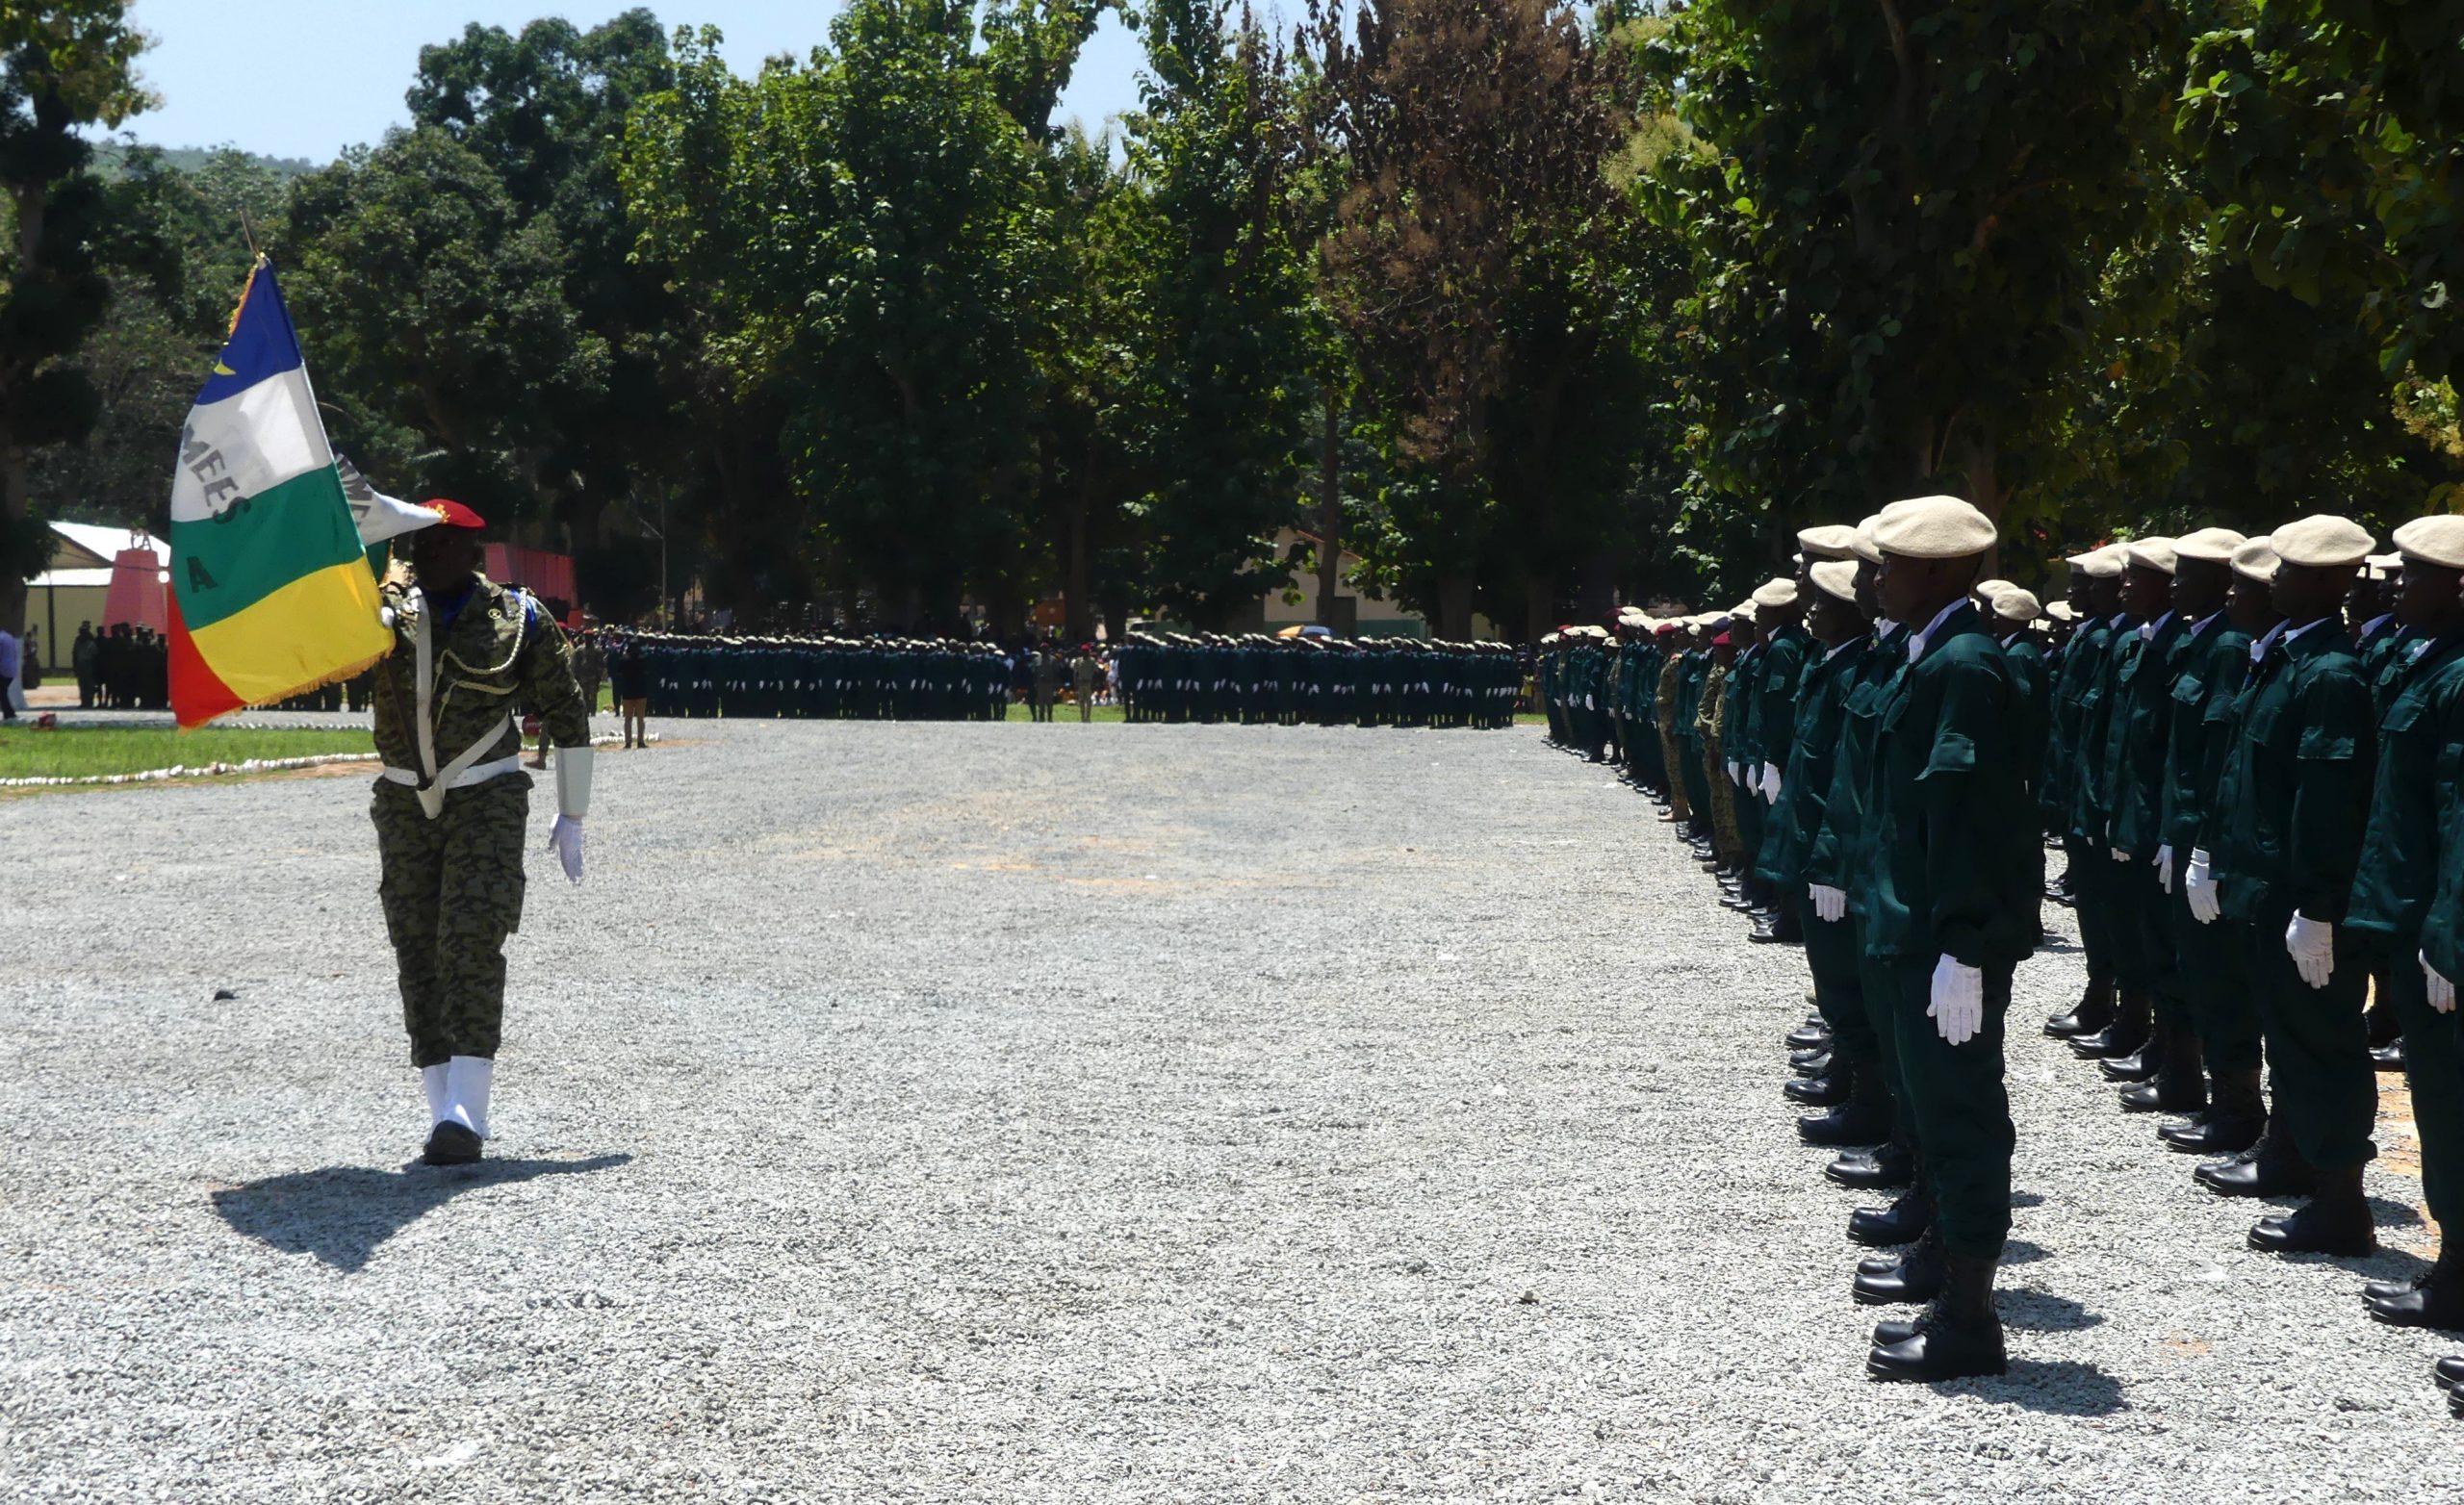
501, 656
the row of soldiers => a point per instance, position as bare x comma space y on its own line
2247, 750
808, 678
1255, 679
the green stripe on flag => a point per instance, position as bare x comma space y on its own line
226, 564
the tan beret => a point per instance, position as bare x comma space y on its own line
1742, 611
2153, 553
1549, 640
2101, 564
2062, 611
2255, 560
1837, 577
2383, 567
2323, 540
1775, 594
2434, 540
1933, 528
1830, 541
2011, 604
1864, 544
1989, 589
2215, 545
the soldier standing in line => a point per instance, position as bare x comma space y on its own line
2282, 843
452, 807
2408, 845
2095, 587
1084, 673
1956, 878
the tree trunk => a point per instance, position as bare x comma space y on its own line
1078, 606
1330, 512
12, 512
1453, 607
1539, 606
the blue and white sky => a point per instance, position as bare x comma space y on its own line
306, 78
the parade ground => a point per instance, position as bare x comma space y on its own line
907, 1111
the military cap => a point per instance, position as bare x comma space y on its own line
1742, 610
1933, 528
1774, 595
1863, 547
2383, 567
2101, 564
2433, 541
2062, 611
1989, 589
1836, 577
2153, 553
2215, 545
2322, 541
2013, 603
2255, 560
1724, 641
1829, 541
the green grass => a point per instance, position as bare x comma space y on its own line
90, 752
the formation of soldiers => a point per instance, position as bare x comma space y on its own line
825, 678
1322, 682
2247, 751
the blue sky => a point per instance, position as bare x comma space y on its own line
305, 78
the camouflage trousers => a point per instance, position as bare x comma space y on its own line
451, 889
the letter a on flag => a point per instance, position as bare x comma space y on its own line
270, 593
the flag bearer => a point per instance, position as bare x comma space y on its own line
452, 806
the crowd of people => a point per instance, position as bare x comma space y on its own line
1255, 679
125, 667
675, 674
2246, 750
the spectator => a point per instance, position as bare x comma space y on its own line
9, 698
86, 657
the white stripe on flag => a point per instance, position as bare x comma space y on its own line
247, 445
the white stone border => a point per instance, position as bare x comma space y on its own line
252, 765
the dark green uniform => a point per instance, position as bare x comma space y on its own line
453, 885
1838, 855
2410, 842
2285, 834
2215, 664
1796, 820
1958, 872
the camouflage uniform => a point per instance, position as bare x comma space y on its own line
1672, 669
451, 886
1709, 725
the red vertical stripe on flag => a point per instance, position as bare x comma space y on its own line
198, 693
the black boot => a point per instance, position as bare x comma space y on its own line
1777, 926
1913, 1276
2450, 1371
1904, 1221
1812, 1035
1810, 1063
449, 1143
1863, 1120
1828, 1090
2389, 1056
1959, 1334
2270, 1167
1886, 1167
2095, 1010
2177, 1085
2335, 1220
2436, 1301
2138, 1067
2236, 1115
2125, 1034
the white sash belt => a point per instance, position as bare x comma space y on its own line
464, 778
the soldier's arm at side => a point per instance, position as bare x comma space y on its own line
2331, 799
548, 685
1972, 733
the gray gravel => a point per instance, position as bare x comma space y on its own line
1072, 1113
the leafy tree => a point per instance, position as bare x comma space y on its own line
62, 65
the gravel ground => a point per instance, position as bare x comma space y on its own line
1164, 1113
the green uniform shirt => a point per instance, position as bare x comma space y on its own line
2215, 660
1956, 865
2295, 792
1814, 755
2137, 717
1837, 858
2409, 800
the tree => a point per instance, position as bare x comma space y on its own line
1475, 135
62, 65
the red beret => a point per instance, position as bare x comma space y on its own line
1722, 641
455, 515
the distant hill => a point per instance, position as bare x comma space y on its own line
108, 156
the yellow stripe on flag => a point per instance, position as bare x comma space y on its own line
319, 628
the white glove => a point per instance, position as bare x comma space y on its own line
564, 839
2312, 945
1752, 780
1771, 783
1829, 904
2165, 868
2442, 991
1590, 703
1958, 1008
2119, 855
1736, 773
2198, 886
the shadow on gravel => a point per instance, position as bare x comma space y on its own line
2061, 1388
2019, 1251
2036, 1312
2387, 1214
341, 1213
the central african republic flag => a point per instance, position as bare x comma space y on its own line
271, 591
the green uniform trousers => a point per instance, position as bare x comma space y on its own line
1838, 988
1961, 1110
2102, 889
2143, 909
1876, 988
451, 889
1748, 817
2435, 1069
2326, 1090
2213, 969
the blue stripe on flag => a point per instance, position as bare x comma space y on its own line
262, 344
